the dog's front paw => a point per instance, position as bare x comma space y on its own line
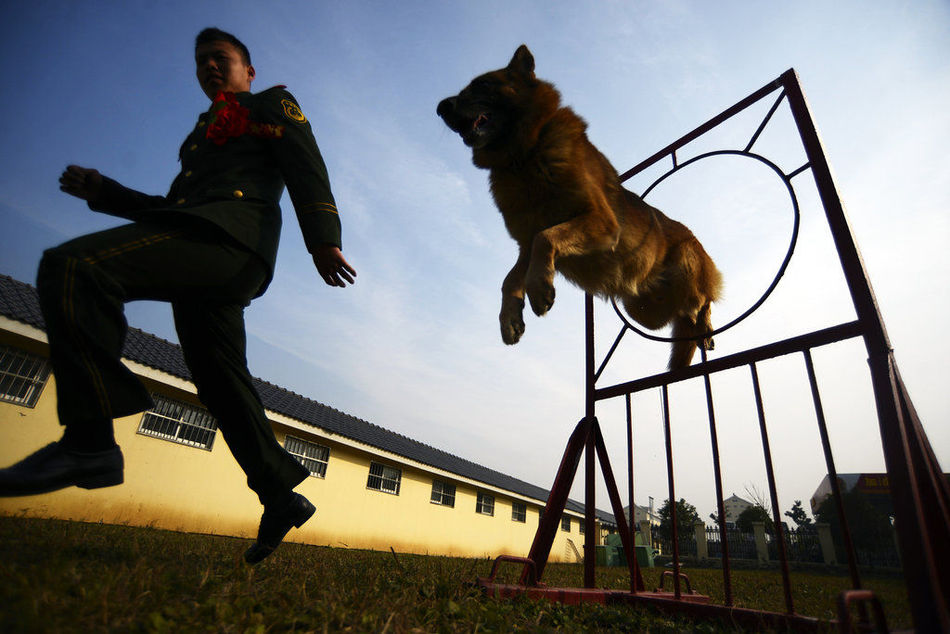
511, 319
541, 295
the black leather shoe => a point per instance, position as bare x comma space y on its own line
56, 467
275, 523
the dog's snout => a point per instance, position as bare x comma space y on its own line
446, 107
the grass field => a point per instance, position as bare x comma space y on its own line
58, 576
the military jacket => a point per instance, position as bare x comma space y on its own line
234, 166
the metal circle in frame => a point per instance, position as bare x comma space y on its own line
778, 276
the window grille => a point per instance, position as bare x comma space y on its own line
443, 493
22, 376
179, 422
311, 455
566, 524
383, 478
485, 504
519, 512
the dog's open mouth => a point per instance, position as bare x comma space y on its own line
478, 133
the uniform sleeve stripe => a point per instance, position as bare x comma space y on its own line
312, 207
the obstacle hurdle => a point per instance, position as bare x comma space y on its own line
920, 493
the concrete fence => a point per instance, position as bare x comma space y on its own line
814, 546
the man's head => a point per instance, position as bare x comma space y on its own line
222, 62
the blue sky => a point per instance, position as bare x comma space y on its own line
414, 345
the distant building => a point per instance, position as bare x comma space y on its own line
373, 488
734, 505
876, 486
642, 513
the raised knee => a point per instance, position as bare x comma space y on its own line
53, 264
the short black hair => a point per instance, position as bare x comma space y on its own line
213, 34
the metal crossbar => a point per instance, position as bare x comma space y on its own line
920, 492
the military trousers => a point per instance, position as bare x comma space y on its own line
209, 279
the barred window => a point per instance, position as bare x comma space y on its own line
179, 422
311, 455
443, 493
22, 376
581, 526
566, 524
485, 504
383, 478
519, 512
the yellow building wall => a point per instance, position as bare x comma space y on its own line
174, 486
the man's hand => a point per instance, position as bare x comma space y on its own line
81, 182
332, 267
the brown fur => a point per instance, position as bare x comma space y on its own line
563, 203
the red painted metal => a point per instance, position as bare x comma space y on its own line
557, 498
529, 571
590, 509
770, 476
586, 435
674, 524
832, 472
630, 499
674, 576
846, 598
920, 492
717, 474
626, 535
691, 605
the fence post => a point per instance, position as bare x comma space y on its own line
827, 544
761, 547
702, 549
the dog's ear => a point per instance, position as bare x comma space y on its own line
522, 61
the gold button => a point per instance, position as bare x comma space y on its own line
193, 147
238, 193
201, 124
188, 173
180, 201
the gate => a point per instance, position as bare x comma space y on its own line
921, 495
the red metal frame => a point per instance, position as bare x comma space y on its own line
920, 493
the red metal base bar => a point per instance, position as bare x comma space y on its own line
576, 596
689, 605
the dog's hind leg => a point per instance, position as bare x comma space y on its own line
682, 353
704, 323
685, 327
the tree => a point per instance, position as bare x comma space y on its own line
754, 513
759, 498
870, 527
686, 518
797, 515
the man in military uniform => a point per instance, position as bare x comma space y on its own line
208, 247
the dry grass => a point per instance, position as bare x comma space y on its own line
58, 576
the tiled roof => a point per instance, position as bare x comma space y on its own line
19, 301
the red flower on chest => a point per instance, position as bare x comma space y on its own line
228, 118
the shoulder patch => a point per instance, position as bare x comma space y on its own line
292, 111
